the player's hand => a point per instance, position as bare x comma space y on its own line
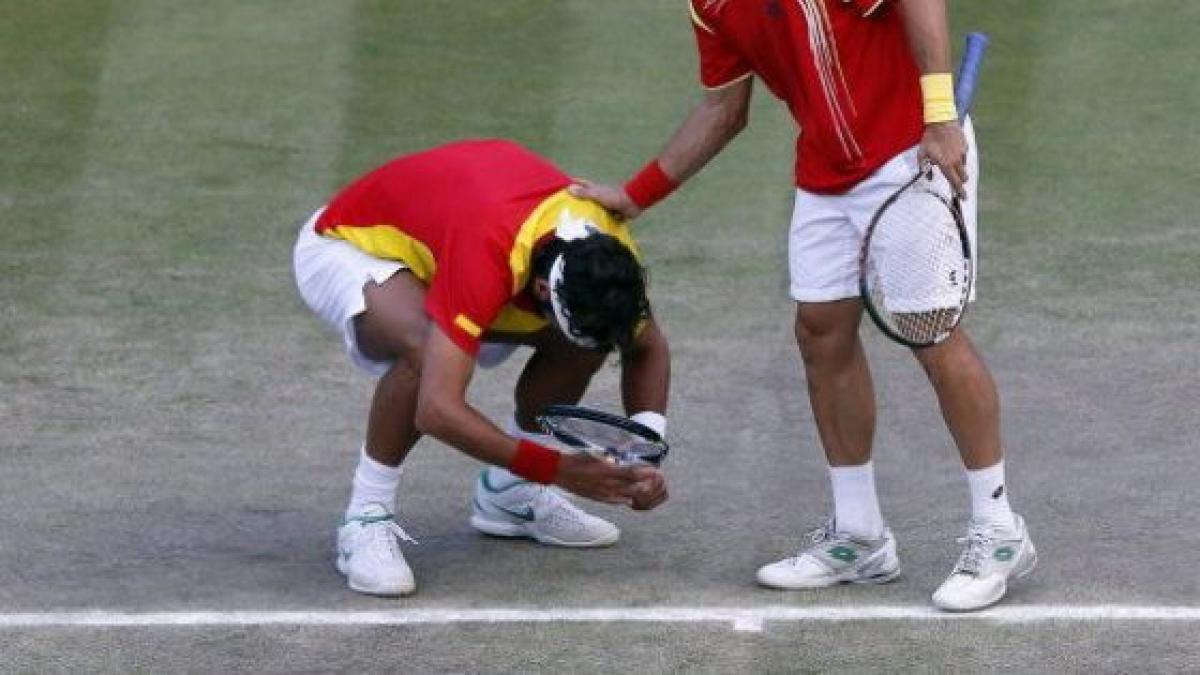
650, 490
945, 146
610, 197
597, 479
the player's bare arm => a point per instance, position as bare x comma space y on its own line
443, 412
646, 372
943, 142
708, 128
645, 378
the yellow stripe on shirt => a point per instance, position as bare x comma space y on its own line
469, 327
389, 243
513, 319
546, 217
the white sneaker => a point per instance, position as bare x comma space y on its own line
833, 557
524, 509
991, 557
369, 554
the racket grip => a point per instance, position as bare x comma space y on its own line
968, 73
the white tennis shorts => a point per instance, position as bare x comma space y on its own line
331, 275
827, 231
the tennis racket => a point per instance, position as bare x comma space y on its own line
916, 268
604, 435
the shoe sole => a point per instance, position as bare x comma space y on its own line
509, 530
377, 592
884, 578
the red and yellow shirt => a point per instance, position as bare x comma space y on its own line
850, 82
465, 218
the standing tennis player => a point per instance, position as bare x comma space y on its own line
448, 258
868, 82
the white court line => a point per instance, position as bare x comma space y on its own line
748, 619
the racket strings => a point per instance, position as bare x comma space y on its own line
917, 278
618, 444
598, 432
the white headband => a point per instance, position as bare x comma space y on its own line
560, 313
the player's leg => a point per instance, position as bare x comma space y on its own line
556, 372
998, 544
855, 546
390, 331
393, 329
371, 303
840, 389
509, 506
970, 404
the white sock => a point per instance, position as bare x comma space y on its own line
855, 504
500, 478
989, 497
374, 483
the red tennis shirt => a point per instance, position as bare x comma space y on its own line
851, 82
465, 218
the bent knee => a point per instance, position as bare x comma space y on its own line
395, 324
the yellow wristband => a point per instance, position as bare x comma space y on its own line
937, 92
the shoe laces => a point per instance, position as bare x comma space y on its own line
820, 534
977, 542
385, 529
816, 537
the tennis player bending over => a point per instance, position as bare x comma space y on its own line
869, 84
454, 256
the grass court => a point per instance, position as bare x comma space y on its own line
177, 433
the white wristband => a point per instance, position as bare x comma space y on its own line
652, 420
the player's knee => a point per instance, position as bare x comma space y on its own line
383, 339
955, 356
394, 325
583, 360
431, 417
819, 331
408, 366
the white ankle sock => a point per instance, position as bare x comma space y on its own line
374, 483
989, 497
500, 478
855, 504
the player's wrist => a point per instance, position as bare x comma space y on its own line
937, 98
535, 462
650, 185
653, 421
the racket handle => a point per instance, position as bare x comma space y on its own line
968, 73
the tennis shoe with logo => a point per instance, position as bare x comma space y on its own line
831, 557
368, 553
991, 557
505, 506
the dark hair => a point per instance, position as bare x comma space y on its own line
603, 290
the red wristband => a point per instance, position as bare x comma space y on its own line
535, 462
650, 185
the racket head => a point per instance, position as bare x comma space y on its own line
604, 435
916, 269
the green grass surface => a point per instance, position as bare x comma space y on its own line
157, 156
